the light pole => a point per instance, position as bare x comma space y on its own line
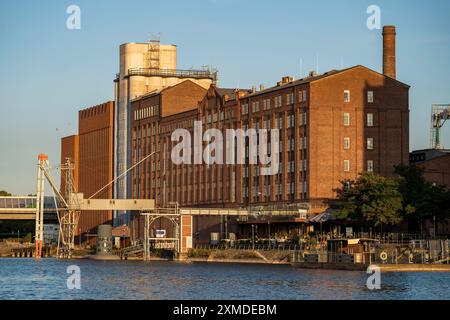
253, 237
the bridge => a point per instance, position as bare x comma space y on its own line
68, 208
24, 208
182, 222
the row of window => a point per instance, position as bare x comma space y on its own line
369, 119
146, 112
369, 165
369, 143
214, 116
347, 96
266, 190
277, 102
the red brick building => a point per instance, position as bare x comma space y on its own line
93, 158
155, 116
435, 164
333, 126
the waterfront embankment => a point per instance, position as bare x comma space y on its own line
239, 256
413, 267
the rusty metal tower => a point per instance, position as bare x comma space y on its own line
440, 113
68, 218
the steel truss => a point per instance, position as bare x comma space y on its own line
171, 214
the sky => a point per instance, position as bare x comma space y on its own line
50, 72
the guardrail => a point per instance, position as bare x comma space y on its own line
259, 247
18, 203
195, 74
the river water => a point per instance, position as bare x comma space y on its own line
47, 279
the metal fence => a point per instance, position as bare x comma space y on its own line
416, 251
387, 252
247, 246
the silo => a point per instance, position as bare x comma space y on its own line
168, 57
154, 83
171, 81
104, 239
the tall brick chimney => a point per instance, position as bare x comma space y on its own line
389, 51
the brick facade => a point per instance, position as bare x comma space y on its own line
310, 115
93, 158
437, 170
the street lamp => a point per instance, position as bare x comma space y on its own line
253, 237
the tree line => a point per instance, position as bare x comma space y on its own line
380, 200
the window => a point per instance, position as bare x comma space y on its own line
369, 143
346, 143
304, 95
346, 119
290, 98
277, 101
255, 106
370, 119
291, 121
369, 165
370, 96
346, 165
346, 95
245, 108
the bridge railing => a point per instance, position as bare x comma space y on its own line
249, 246
18, 202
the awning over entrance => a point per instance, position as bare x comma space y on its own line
322, 217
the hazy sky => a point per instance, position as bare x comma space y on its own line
50, 72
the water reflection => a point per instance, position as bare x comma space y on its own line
27, 279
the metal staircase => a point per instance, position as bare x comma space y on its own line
132, 251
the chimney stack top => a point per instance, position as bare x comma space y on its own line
389, 60
389, 30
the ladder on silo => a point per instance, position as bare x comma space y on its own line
153, 52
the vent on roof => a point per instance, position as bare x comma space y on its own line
261, 87
287, 79
313, 74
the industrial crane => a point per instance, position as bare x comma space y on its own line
73, 203
440, 113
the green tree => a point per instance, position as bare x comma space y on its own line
437, 198
422, 199
371, 198
4, 193
413, 187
